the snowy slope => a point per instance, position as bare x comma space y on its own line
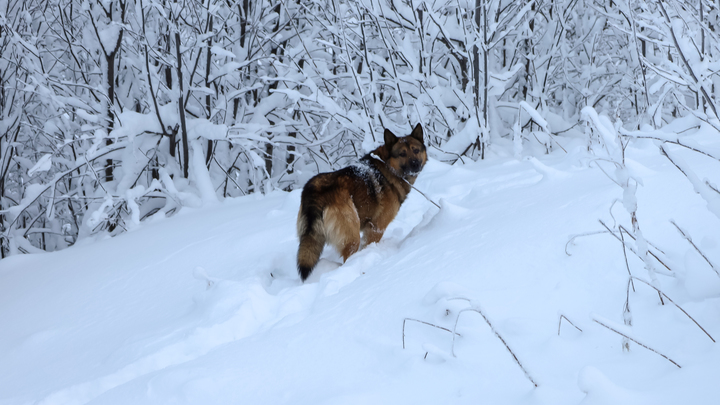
206, 307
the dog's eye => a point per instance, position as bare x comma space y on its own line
403, 154
416, 151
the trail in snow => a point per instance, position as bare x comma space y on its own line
255, 306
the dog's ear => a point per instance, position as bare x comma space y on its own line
390, 138
417, 133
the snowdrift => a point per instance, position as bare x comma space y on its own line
514, 281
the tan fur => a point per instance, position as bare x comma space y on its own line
337, 207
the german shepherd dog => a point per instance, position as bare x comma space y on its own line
336, 207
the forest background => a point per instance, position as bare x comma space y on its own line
116, 111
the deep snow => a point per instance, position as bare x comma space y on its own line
206, 307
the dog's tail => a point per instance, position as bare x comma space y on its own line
311, 232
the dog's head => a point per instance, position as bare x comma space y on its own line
405, 155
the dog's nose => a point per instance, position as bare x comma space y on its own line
415, 164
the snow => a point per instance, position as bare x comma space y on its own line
202, 128
108, 37
201, 176
602, 124
535, 115
206, 307
219, 51
43, 164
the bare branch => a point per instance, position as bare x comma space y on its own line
673, 302
690, 241
496, 334
568, 321
424, 323
636, 341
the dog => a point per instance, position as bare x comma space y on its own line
336, 207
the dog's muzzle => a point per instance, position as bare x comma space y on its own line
412, 168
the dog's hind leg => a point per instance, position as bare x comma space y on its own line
342, 227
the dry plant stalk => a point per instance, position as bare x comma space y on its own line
424, 323
568, 321
627, 265
651, 253
627, 315
641, 344
673, 302
690, 241
625, 246
496, 334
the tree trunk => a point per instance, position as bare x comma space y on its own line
181, 108
208, 99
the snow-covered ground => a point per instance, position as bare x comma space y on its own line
206, 307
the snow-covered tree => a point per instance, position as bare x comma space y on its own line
114, 111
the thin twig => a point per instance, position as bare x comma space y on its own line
627, 303
423, 322
572, 239
627, 315
423, 194
569, 321
673, 302
496, 334
622, 228
690, 241
631, 249
606, 173
627, 265
674, 142
641, 344
713, 188
374, 156
450, 153
227, 175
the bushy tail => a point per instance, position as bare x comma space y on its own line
311, 233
